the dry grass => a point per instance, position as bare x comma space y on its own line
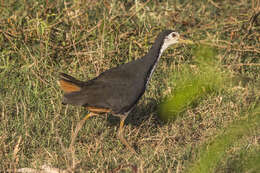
39, 39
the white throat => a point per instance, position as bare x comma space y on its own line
164, 47
167, 42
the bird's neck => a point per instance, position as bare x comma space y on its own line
152, 58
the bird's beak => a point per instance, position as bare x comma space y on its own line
185, 41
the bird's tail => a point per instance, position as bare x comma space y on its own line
69, 84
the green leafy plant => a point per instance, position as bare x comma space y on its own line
193, 84
213, 152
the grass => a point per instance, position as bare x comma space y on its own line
39, 39
191, 85
212, 153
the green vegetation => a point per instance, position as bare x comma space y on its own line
192, 84
212, 153
243, 161
39, 39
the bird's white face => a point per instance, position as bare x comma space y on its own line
170, 39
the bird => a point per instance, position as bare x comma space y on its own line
117, 90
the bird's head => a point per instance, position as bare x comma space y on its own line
172, 37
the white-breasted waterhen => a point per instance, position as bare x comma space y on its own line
118, 89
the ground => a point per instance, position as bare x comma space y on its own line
39, 39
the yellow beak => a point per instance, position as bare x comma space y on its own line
184, 41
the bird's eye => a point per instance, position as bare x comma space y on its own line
173, 35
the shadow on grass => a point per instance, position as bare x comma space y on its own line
140, 114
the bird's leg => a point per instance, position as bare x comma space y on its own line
120, 134
79, 126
